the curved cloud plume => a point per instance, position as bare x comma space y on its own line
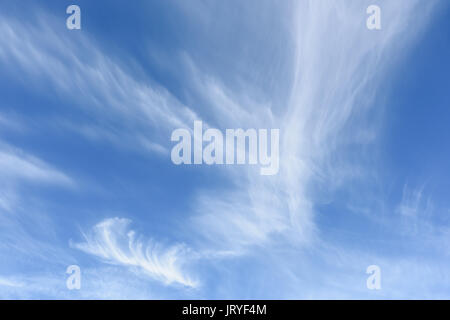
114, 242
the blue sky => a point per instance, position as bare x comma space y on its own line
85, 171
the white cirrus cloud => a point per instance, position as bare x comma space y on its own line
113, 241
18, 165
123, 109
338, 66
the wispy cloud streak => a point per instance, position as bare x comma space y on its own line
114, 242
127, 111
18, 165
338, 65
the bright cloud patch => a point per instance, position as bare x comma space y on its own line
113, 241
